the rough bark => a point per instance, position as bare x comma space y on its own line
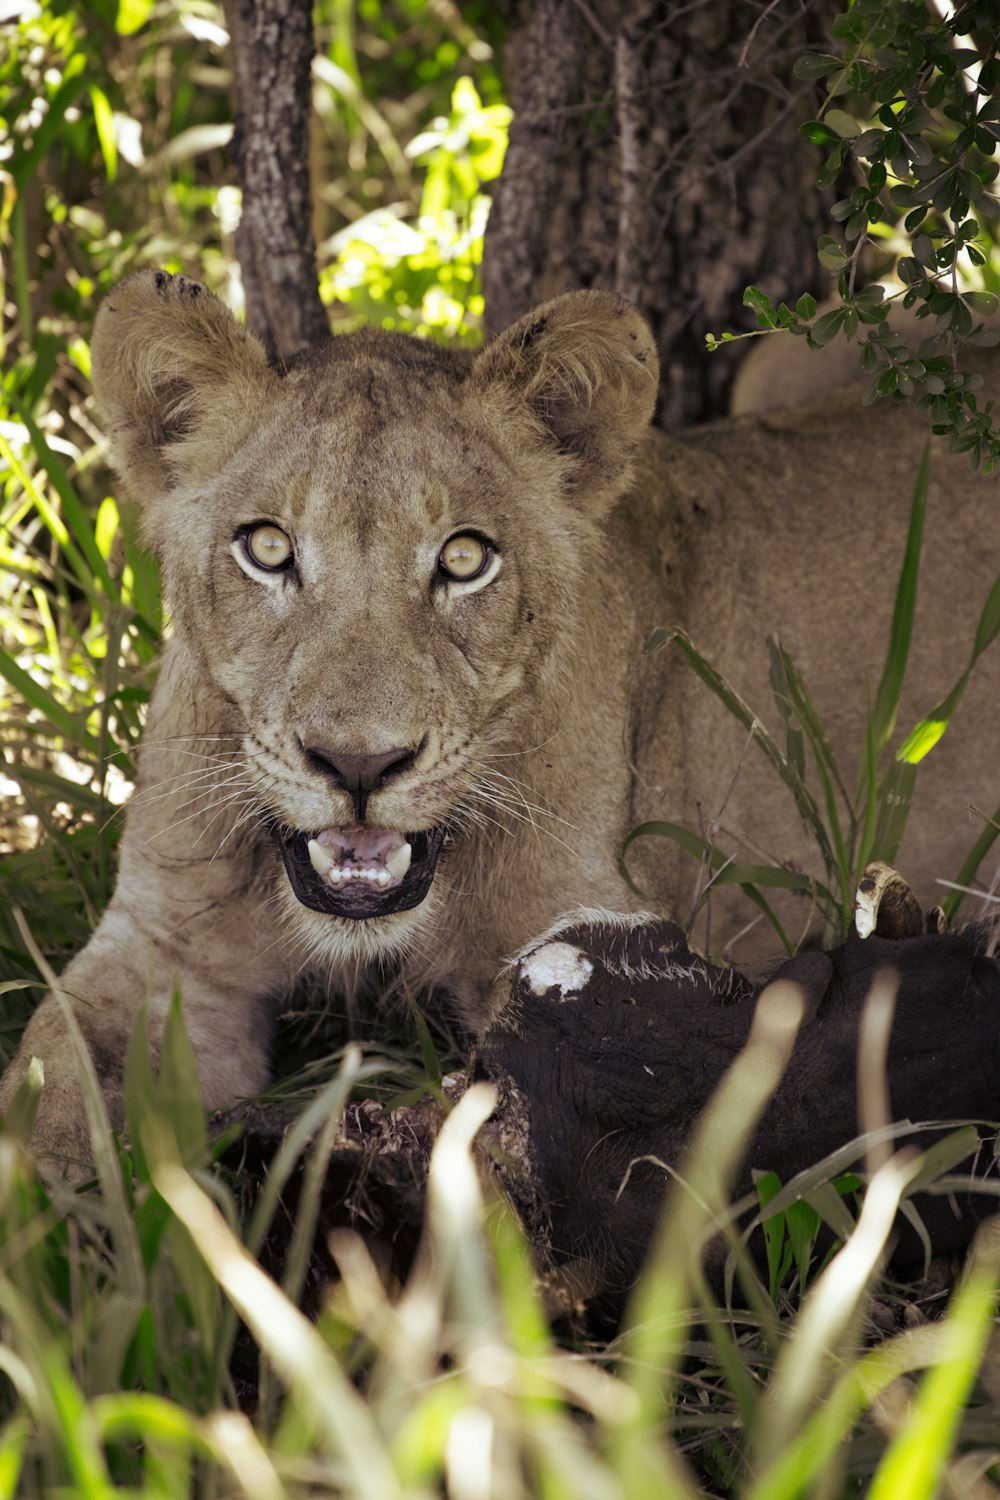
272, 50
655, 151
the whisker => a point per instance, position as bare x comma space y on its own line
531, 749
494, 776
500, 803
191, 778
223, 802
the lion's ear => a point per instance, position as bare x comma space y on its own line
176, 377
585, 365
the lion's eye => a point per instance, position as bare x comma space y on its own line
268, 547
465, 557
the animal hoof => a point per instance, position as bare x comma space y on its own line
885, 905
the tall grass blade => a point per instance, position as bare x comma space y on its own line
70, 1447
71, 726
69, 551
731, 700
340, 1419
895, 796
329, 1102
787, 681
827, 1319
925, 735
967, 873
115, 1204
697, 1208
724, 870
13, 1437
916, 1459
901, 630
793, 1473
74, 515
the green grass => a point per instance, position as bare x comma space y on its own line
120, 1307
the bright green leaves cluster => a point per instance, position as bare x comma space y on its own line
420, 274
920, 137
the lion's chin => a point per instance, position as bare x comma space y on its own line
359, 873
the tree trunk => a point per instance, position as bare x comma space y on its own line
655, 150
272, 50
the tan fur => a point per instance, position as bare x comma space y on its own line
543, 733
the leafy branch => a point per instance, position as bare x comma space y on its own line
921, 140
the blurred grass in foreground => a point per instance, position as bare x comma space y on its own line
119, 1308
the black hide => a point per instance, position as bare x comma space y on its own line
619, 1065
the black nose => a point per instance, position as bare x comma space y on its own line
360, 775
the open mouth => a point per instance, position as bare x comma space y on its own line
359, 872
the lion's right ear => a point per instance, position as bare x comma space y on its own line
176, 377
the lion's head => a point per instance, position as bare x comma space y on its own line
376, 558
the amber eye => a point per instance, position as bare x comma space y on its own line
464, 557
268, 547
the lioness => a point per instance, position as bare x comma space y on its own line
403, 722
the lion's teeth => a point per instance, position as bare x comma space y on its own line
324, 862
320, 857
398, 862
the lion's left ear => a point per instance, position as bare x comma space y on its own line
585, 366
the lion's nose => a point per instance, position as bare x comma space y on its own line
360, 775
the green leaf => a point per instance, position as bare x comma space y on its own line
818, 134
761, 304
946, 1154
806, 307
826, 328
924, 252
841, 122
815, 65
132, 16
779, 1253
803, 1223
831, 254
831, 168
104, 125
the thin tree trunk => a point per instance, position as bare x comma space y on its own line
655, 150
272, 50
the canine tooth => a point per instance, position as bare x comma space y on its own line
335, 876
398, 862
320, 858
383, 877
